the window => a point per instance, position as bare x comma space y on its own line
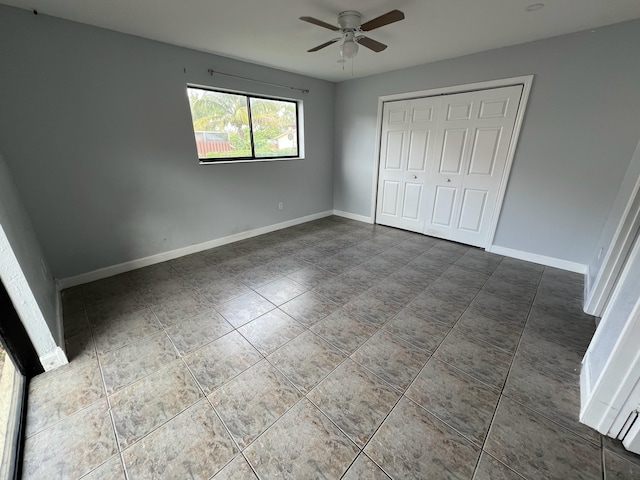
239, 127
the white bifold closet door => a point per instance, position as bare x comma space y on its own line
442, 160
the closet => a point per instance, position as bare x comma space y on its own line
442, 162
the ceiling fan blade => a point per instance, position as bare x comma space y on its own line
319, 23
389, 17
371, 44
326, 44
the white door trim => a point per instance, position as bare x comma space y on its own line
526, 82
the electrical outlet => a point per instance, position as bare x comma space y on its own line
280, 205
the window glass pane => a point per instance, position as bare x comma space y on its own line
274, 128
220, 124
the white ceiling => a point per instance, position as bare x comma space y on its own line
268, 32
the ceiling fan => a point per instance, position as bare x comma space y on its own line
350, 28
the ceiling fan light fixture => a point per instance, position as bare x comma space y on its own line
349, 49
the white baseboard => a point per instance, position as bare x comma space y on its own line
180, 252
353, 216
54, 359
540, 259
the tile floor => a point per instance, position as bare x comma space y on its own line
333, 349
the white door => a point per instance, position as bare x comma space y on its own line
407, 142
472, 143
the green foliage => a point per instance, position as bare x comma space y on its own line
224, 112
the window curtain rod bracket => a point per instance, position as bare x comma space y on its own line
212, 72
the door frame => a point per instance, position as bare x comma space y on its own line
526, 81
598, 290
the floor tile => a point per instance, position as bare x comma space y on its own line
80, 347
451, 291
344, 330
110, 470
380, 266
519, 271
159, 292
517, 434
355, 400
270, 331
485, 363
75, 323
364, 469
573, 334
103, 313
510, 291
62, 392
391, 359
112, 288
428, 305
429, 265
281, 291
391, 291
333, 264
221, 360
302, 444
237, 469
125, 365
152, 274
618, 468
412, 277
203, 275
126, 329
549, 356
306, 360
491, 469
360, 278
476, 259
423, 333
497, 308
556, 399
455, 398
253, 400
615, 446
310, 276
499, 334
309, 308
464, 278
286, 265
245, 308
398, 256
142, 407
175, 449
72, 447
195, 332
223, 291
338, 291
411, 443
258, 276
374, 310
180, 307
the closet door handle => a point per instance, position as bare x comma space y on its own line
415, 176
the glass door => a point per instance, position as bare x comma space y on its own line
18, 363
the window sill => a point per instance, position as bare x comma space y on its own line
249, 160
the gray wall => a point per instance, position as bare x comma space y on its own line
95, 126
579, 133
17, 227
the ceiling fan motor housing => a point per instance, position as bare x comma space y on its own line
349, 20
